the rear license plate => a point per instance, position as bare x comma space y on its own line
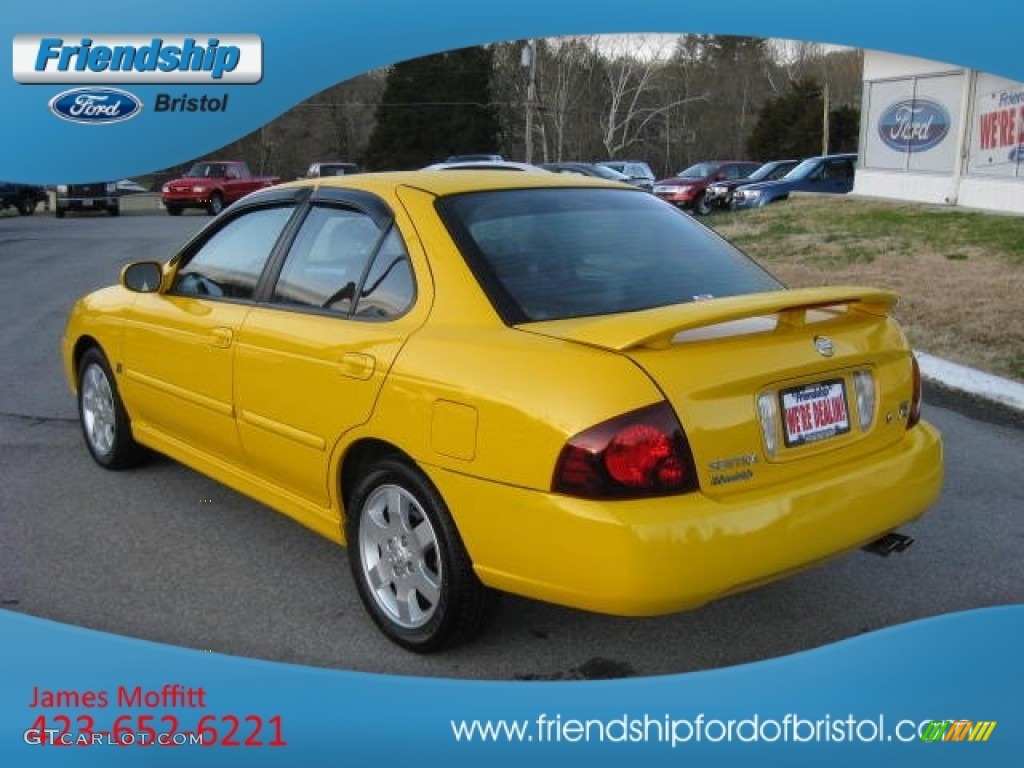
814, 412
87, 202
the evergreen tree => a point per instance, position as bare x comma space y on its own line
843, 129
433, 107
790, 126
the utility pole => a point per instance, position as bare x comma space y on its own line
529, 61
824, 119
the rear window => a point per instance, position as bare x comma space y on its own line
544, 254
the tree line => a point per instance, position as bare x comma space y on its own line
668, 101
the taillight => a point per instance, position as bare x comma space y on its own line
914, 415
641, 453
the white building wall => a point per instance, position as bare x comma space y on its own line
1005, 195
960, 171
919, 188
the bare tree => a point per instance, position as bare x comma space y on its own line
566, 74
631, 98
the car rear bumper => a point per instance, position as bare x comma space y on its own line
658, 556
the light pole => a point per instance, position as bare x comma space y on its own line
528, 59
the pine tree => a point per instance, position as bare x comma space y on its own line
433, 107
790, 126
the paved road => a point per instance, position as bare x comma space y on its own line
164, 554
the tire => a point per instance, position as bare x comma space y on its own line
174, 210
105, 424
702, 206
115, 209
58, 212
410, 567
26, 206
216, 204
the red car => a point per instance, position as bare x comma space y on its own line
212, 185
688, 188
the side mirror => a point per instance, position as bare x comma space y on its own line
142, 276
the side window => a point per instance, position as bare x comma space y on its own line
229, 264
389, 289
327, 260
838, 169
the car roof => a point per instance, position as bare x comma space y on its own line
443, 184
498, 165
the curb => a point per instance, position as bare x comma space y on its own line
969, 381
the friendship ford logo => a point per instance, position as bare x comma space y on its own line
117, 59
914, 125
824, 346
94, 106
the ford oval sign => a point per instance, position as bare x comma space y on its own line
914, 125
94, 106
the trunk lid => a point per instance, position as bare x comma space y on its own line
768, 386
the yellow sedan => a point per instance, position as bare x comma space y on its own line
558, 387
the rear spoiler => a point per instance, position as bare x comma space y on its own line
655, 328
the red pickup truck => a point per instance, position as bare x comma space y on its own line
211, 185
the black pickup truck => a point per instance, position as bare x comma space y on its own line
24, 197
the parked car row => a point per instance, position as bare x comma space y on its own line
701, 188
740, 184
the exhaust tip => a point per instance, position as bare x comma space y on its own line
889, 544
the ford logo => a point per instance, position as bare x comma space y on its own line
1017, 154
914, 125
95, 105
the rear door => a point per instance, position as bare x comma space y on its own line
312, 358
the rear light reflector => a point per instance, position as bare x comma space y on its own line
641, 453
768, 415
864, 389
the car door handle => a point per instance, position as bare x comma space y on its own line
356, 365
221, 337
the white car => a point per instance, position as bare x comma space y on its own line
488, 165
128, 186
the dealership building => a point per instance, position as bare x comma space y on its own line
937, 133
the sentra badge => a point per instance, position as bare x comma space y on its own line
100, 59
95, 105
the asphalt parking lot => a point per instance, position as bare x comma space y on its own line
164, 554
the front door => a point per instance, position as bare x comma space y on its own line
179, 344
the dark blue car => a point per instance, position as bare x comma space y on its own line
828, 173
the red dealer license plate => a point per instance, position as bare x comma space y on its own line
814, 412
